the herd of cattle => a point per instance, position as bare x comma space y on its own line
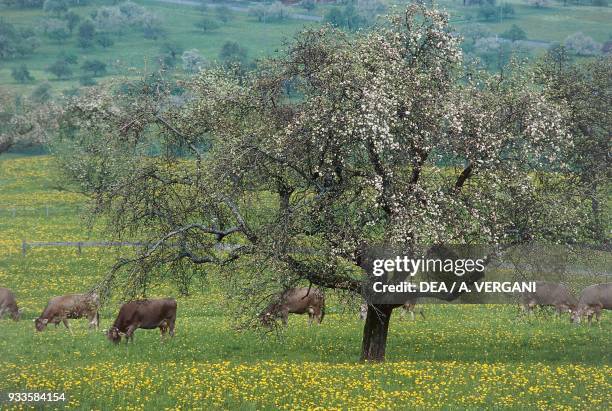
161, 313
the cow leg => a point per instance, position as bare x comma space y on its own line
1, 312
285, 317
129, 334
67, 325
171, 327
598, 315
311, 315
412, 315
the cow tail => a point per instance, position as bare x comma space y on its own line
97, 319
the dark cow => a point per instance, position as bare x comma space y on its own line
72, 306
295, 301
593, 299
145, 314
8, 304
549, 294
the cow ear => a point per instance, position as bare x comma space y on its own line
34, 319
20, 310
45, 320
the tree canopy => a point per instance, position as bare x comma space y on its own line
389, 141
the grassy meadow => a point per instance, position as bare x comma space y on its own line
132, 53
459, 357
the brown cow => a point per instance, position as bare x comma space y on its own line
593, 299
72, 306
8, 304
295, 301
549, 294
409, 306
145, 314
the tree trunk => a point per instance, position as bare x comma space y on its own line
375, 333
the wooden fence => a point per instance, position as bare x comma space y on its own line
79, 244
85, 244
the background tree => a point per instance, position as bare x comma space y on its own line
59, 34
26, 122
224, 14
94, 67
87, 32
586, 92
193, 61
21, 74
514, 33
15, 42
169, 54
206, 24
367, 156
582, 44
232, 52
72, 20
61, 68
56, 7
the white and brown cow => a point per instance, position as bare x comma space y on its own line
301, 300
72, 306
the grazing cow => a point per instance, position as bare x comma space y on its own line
8, 304
593, 299
409, 306
549, 294
296, 301
145, 314
72, 306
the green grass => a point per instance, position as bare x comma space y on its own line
460, 357
131, 50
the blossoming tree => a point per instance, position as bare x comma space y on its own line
342, 142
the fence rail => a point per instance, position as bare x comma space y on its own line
79, 244
85, 244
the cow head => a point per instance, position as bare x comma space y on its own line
578, 313
268, 316
113, 335
17, 314
40, 323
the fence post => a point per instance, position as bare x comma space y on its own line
24, 247
14, 212
47, 210
79, 246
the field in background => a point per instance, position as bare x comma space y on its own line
463, 357
131, 50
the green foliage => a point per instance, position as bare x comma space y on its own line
21, 74
42, 93
206, 24
72, 20
232, 52
15, 42
169, 54
224, 14
514, 33
87, 32
61, 68
94, 68
59, 34
56, 7
104, 40
346, 18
